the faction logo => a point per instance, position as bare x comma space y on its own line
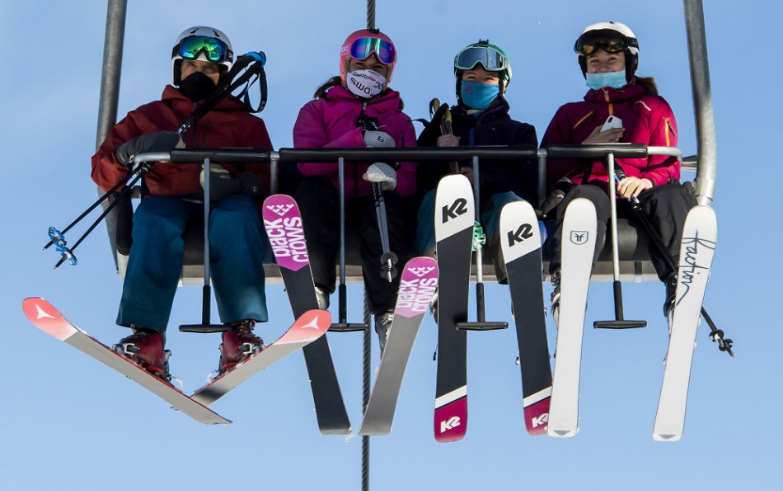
579, 237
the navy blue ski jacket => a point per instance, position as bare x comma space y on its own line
491, 127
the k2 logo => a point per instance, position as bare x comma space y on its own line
579, 237
280, 209
421, 271
522, 233
541, 420
459, 207
449, 424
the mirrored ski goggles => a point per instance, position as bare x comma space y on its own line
362, 48
214, 49
607, 40
490, 58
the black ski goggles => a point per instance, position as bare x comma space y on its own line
490, 58
606, 39
214, 49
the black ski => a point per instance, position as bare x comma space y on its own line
454, 220
283, 223
521, 244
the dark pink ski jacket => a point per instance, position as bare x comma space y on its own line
330, 122
647, 119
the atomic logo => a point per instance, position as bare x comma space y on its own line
420, 271
280, 209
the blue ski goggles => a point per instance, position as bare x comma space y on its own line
362, 48
606, 39
214, 49
490, 58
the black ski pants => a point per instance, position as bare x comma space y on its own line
319, 203
666, 207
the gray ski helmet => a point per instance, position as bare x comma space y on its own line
201, 43
491, 58
613, 37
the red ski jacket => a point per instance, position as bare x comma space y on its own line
647, 119
228, 125
330, 122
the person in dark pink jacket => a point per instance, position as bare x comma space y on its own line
357, 109
608, 56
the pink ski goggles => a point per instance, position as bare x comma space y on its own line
362, 48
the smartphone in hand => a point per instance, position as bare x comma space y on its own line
612, 122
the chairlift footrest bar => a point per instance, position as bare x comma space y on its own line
621, 324
481, 326
204, 328
346, 327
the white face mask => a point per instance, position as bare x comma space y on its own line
365, 83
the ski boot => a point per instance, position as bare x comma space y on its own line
239, 344
668, 305
383, 322
555, 298
322, 295
146, 348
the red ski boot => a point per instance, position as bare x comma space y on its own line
145, 347
239, 344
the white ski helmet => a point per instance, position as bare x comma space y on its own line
612, 37
201, 43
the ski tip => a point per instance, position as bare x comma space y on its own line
563, 433
451, 421
660, 437
537, 416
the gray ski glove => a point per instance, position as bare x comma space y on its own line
161, 141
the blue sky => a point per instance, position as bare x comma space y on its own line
67, 421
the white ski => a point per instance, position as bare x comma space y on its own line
700, 236
578, 246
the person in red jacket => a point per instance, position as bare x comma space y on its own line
357, 109
172, 197
608, 56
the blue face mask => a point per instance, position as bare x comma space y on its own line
614, 80
477, 95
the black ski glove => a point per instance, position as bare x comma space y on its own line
429, 136
554, 197
161, 141
222, 184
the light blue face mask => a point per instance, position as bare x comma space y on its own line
614, 80
477, 95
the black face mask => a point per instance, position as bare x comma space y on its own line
196, 86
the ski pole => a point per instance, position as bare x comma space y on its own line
253, 65
715, 334
619, 322
478, 244
58, 237
388, 258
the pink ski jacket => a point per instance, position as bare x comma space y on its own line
330, 122
647, 119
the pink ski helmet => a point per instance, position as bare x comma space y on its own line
365, 42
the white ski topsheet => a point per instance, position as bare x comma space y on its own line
700, 236
520, 234
454, 207
578, 246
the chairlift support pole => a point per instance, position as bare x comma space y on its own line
702, 102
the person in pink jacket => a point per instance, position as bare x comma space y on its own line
608, 56
357, 109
